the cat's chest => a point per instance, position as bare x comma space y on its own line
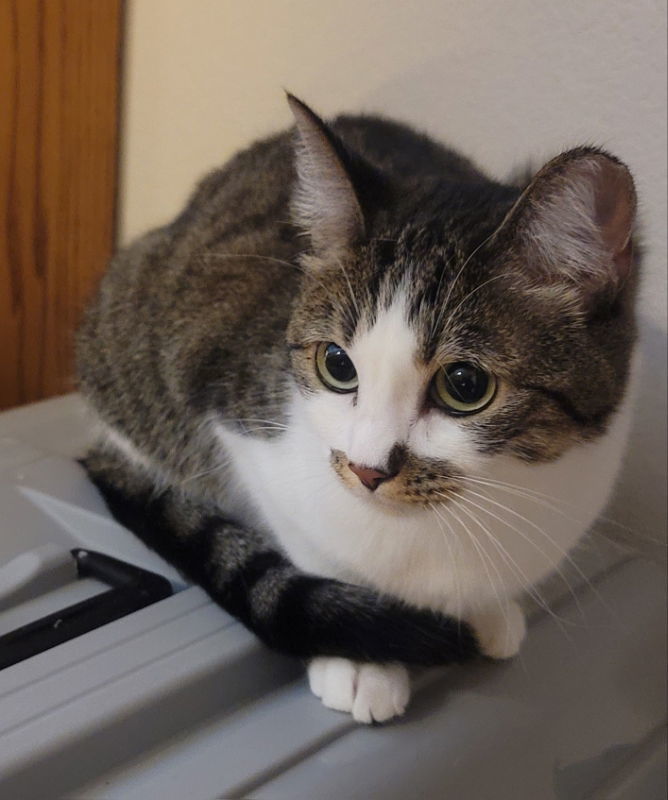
289, 486
490, 544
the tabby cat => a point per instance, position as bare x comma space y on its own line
350, 389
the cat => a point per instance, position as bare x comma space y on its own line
352, 387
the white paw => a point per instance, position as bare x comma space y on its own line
500, 634
370, 692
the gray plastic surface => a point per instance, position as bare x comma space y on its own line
177, 700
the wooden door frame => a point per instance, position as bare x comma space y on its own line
60, 80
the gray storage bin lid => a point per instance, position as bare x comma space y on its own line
178, 700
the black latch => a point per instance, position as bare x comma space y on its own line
132, 588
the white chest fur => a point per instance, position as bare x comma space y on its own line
491, 544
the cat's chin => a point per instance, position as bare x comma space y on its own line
394, 506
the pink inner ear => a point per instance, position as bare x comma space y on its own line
325, 202
615, 213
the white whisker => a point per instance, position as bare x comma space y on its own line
481, 554
440, 520
503, 603
563, 553
549, 501
452, 313
552, 564
467, 260
524, 580
350, 287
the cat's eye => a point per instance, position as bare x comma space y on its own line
462, 388
334, 368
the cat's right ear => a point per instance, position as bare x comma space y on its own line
325, 203
574, 224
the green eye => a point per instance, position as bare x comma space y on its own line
462, 388
334, 368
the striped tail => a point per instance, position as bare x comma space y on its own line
290, 611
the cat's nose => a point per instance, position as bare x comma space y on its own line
370, 477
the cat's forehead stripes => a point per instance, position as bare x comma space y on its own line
482, 283
429, 279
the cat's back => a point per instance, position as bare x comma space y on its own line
242, 209
259, 180
403, 152
253, 188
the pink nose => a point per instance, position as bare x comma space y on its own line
370, 477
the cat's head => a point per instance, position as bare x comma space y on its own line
442, 324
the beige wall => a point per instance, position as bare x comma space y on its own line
502, 81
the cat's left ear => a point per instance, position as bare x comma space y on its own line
325, 202
574, 223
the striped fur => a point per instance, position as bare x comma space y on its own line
296, 613
223, 450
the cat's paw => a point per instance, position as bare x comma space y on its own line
370, 692
500, 634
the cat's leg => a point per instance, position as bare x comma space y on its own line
377, 692
370, 692
500, 632
297, 613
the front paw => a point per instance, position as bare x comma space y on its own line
500, 634
370, 692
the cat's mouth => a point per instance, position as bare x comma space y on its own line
418, 481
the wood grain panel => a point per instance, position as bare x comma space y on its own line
59, 79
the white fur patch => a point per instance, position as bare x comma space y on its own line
512, 524
370, 692
500, 634
392, 385
390, 381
